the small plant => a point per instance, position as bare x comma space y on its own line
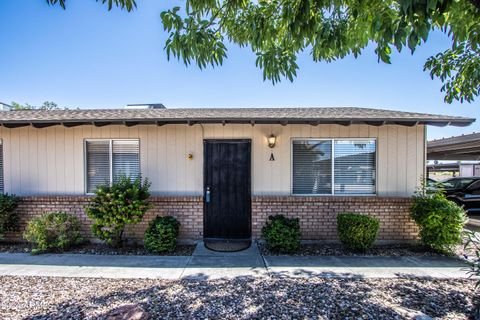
473, 244
114, 206
8, 216
161, 235
54, 231
282, 234
357, 232
440, 220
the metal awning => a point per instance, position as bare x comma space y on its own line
464, 147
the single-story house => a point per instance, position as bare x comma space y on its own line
222, 172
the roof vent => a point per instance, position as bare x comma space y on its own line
145, 106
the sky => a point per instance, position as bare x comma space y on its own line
88, 57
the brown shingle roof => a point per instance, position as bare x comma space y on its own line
343, 115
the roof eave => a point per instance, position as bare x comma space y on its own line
459, 122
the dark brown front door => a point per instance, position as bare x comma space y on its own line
227, 189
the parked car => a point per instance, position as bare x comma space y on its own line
468, 197
453, 185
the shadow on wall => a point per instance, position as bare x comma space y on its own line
246, 298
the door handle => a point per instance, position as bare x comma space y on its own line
207, 195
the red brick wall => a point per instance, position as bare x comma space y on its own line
188, 210
317, 214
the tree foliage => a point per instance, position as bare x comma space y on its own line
277, 31
47, 105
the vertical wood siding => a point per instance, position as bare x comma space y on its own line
51, 160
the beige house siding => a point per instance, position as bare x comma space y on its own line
51, 160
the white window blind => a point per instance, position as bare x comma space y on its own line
354, 166
1, 167
98, 164
126, 159
312, 167
348, 165
107, 160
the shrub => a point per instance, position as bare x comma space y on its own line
8, 215
54, 231
473, 245
161, 235
357, 232
282, 234
440, 220
114, 206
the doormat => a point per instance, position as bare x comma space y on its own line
227, 245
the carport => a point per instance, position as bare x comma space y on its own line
464, 147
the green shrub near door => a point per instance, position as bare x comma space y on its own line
54, 231
357, 232
282, 234
161, 235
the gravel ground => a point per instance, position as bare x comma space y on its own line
333, 249
247, 298
91, 248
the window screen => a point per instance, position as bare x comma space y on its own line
126, 159
354, 163
312, 167
98, 164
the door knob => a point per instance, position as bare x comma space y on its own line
207, 195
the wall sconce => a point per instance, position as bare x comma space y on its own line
271, 141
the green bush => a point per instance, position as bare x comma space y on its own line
161, 235
282, 234
440, 220
8, 215
114, 206
357, 232
54, 231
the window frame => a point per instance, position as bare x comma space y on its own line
110, 158
332, 141
2, 171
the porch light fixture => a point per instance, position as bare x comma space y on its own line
271, 141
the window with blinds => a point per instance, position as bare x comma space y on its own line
347, 165
354, 162
312, 167
1, 167
106, 160
125, 159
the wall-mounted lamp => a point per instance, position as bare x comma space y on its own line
271, 141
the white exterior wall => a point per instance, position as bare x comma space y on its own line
51, 160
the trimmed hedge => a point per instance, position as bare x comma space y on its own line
357, 232
161, 235
54, 231
282, 234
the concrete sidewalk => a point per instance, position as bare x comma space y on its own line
206, 264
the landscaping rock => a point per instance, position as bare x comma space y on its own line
245, 298
128, 312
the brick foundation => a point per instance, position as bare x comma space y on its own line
317, 214
188, 210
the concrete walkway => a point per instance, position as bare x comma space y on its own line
206, 264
